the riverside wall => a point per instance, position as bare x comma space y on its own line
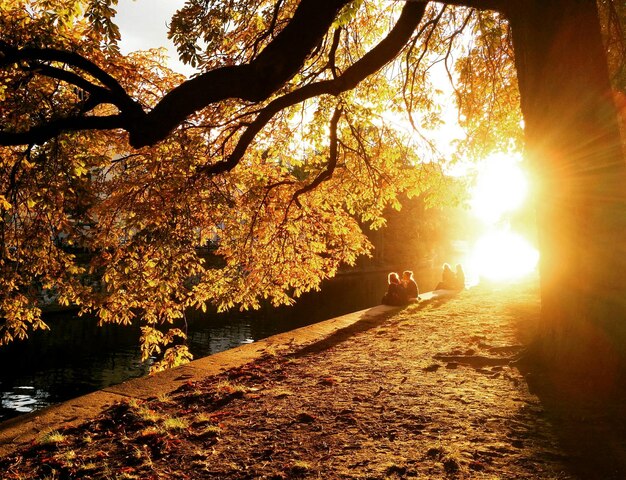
20, 431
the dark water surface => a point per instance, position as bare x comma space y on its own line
77, 357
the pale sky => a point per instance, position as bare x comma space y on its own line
144, 24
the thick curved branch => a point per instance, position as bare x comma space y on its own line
112, 92
333, 52
97, 94
255, 81
32, 54
332, 159
372, 61
43, 133
495, 5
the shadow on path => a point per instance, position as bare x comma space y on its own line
366, 323
587, 411
588, 416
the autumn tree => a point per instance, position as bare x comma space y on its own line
284, 141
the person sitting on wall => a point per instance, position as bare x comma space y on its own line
410, 286
448, 279
459, 277
396, 294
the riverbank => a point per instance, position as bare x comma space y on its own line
433, 390
76, 356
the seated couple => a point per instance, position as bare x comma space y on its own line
401, 292
451, 280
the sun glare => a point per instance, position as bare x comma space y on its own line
500, 254
501, 187
503, 256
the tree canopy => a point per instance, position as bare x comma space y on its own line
116, 174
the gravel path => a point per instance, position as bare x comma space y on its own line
430, 392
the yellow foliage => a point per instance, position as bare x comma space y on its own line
141, 235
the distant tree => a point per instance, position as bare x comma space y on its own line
421, 235
284, 141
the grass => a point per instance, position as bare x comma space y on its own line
175, 423
52, 437
301, 465
204, 427
300, 468
69, 456
229, 387
164, 398
202, 417
140, 455
210, 431
450, 458
282, 392
147, 414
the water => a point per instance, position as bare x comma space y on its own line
77, 357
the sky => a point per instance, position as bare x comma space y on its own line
144, 23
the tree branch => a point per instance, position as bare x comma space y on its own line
112, 92
97, 94
371, 62
43, 133
117, 92
333, 52
270, 28
496, 5
332, 159
255, 81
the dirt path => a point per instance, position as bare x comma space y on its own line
429, 393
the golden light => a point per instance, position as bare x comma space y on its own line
503, 256
500, 254
501, 187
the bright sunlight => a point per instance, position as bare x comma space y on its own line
500, 254
501, 187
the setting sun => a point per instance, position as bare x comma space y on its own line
501, 187
500, 254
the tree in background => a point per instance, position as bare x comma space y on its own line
421, 236
284, 141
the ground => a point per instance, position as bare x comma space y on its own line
439, 389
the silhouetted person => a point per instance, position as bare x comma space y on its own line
459, 277
396, 294
448, 279
410, 286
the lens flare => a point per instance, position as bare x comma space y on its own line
501, 187
502, 256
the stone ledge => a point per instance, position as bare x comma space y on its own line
17, 432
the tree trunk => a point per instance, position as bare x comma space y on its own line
574, 149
